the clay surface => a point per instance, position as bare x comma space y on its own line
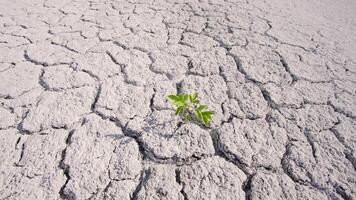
84, 111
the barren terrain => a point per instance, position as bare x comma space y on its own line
84, 113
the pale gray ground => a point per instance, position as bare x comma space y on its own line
84, 115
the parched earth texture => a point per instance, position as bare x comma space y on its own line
84, 114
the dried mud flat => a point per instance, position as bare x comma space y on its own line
84, 115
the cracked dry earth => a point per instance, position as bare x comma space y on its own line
84, 115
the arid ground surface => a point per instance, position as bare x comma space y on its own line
84, 114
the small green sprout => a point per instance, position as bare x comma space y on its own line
188, 104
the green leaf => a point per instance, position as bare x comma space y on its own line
202, 107
173, 97
195, 102
209, 113
205, 120
177, 100
184, 108
179, 110
207, 116
185, 97
193, 97
180, 97
188, 118
199, 115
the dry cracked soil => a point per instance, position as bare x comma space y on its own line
84, 114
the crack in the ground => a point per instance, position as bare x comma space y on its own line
182, 184
145, 175
66, 168
341, 111
97, 96
149, 155
348, 150
287, 68
23, 146
41, 82
246, 186
219, 151
312, 144
209, 17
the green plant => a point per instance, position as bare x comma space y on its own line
188, 106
